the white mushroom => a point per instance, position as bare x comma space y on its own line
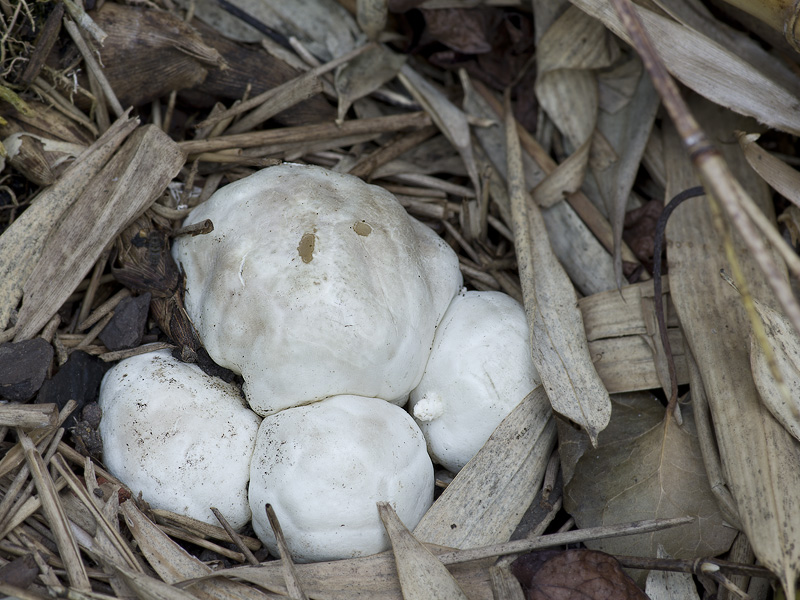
180, 437
315, 284
479, 370
324, 466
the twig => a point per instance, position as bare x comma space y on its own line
235, 537
93, 66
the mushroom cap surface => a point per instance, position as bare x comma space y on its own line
323, 467
182, 438
315, 284
479, 370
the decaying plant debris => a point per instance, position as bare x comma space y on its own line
537, 143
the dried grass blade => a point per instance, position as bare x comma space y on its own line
422, 575
54, 513
287, 565
22, 242
173, 564
149, 588
450, 120
309, 133
511, 464
560, 349
707, 68
113, 198
110, 531
284, 96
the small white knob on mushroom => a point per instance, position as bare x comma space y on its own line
315, 284
180, 437
324, 466
479, 370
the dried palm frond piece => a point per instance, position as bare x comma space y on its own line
112, 199
22, 243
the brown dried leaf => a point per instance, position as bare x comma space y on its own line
646, 467
464, 30
574, 575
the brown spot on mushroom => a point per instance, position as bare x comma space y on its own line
306, 247
361, 228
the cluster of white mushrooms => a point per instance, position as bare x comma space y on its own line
335, 307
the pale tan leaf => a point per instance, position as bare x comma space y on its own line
560, 349
760, 458
566, 88
511, 464
708, 68
647, 467
450, 120
22, 243
627, 131
365, 74
422, 576
781, 177
785, 344
111, 200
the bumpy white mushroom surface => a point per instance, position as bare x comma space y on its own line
480, 369
182, 438
324, 466
315, 284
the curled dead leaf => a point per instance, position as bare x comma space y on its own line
574, 574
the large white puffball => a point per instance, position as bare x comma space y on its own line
480, 369
180, 437
315, 284
323, 467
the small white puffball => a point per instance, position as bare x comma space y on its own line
479, 370
323, 467
182, 438
315, 284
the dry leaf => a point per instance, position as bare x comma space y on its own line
780, 176
365, 74
785, 344
761, 459
646, 467
511, 464
422, 576
708, 68
560, 350
574, 575
566, 88
450, 120
627, 131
